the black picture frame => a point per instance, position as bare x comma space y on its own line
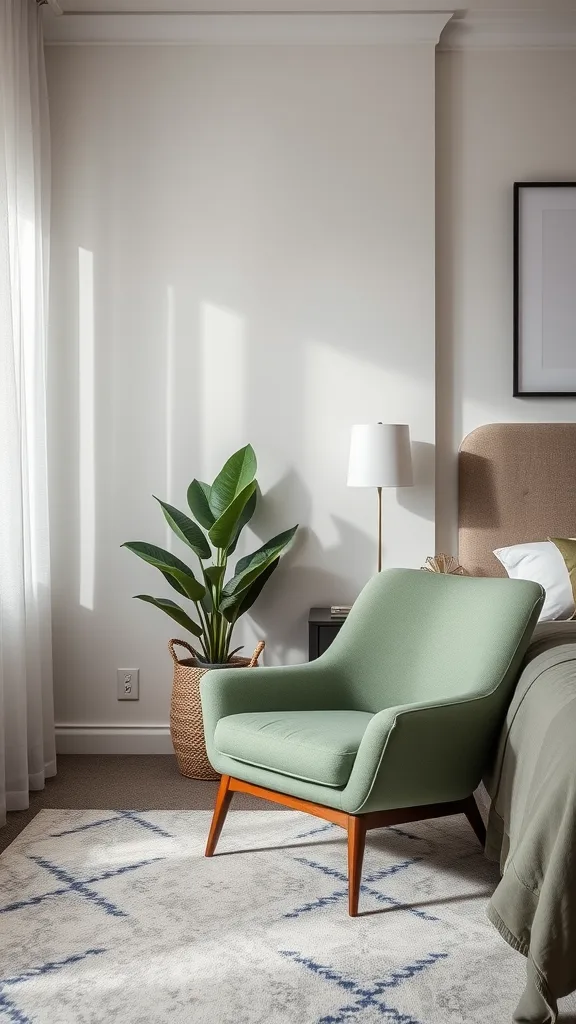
518, 391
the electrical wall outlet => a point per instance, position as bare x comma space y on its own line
128, 683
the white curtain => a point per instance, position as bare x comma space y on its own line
27, 751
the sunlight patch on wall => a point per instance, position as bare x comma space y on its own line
86, 447
222, 385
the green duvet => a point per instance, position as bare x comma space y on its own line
532, 824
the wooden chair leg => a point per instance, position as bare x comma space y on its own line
475, 818
356, 842
223, 798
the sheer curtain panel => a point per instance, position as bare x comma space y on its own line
27, 751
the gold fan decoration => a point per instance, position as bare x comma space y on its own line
444, 563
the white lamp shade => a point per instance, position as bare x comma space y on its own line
380, 455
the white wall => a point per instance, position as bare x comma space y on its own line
243, 250
503, 116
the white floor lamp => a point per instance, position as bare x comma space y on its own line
380, 456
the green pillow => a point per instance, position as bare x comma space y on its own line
567, 548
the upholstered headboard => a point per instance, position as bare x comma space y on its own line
517, 483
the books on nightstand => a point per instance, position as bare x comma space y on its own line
339, 611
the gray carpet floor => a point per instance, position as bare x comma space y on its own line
128, 782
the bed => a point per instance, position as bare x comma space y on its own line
517, 484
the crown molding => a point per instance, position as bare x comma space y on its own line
185, 29
511, 30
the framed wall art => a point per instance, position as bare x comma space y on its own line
544, 289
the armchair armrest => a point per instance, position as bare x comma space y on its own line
421, 753
313, 686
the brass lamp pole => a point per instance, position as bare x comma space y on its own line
379, 489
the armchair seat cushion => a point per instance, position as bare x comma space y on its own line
316, 746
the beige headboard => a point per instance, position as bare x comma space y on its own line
516, 483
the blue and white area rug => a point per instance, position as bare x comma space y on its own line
117, 916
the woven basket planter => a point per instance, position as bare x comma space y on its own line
186, 725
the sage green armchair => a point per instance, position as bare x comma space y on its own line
393, 723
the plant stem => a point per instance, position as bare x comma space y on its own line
229, 629
201, 615
199, 612
220, 621
211, 637
206, 620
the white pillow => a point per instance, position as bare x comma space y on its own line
543, 563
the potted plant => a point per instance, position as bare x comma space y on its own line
221, 511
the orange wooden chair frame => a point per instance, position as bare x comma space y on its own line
356, 825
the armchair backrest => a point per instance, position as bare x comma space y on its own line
416, 636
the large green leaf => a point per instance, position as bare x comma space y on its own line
155, 555
234, 477
214, 574
168, 563
198, 502
187, 580
186, 530
252, 566
246, 598
280, 541
226, 525
249, 509
174, 611
174, 583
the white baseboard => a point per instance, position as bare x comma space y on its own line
113, 739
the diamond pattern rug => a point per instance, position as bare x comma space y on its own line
118, 916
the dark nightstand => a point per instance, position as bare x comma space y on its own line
322, 630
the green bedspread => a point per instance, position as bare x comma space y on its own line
532, 823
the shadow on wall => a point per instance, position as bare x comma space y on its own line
419, 499
311, 574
